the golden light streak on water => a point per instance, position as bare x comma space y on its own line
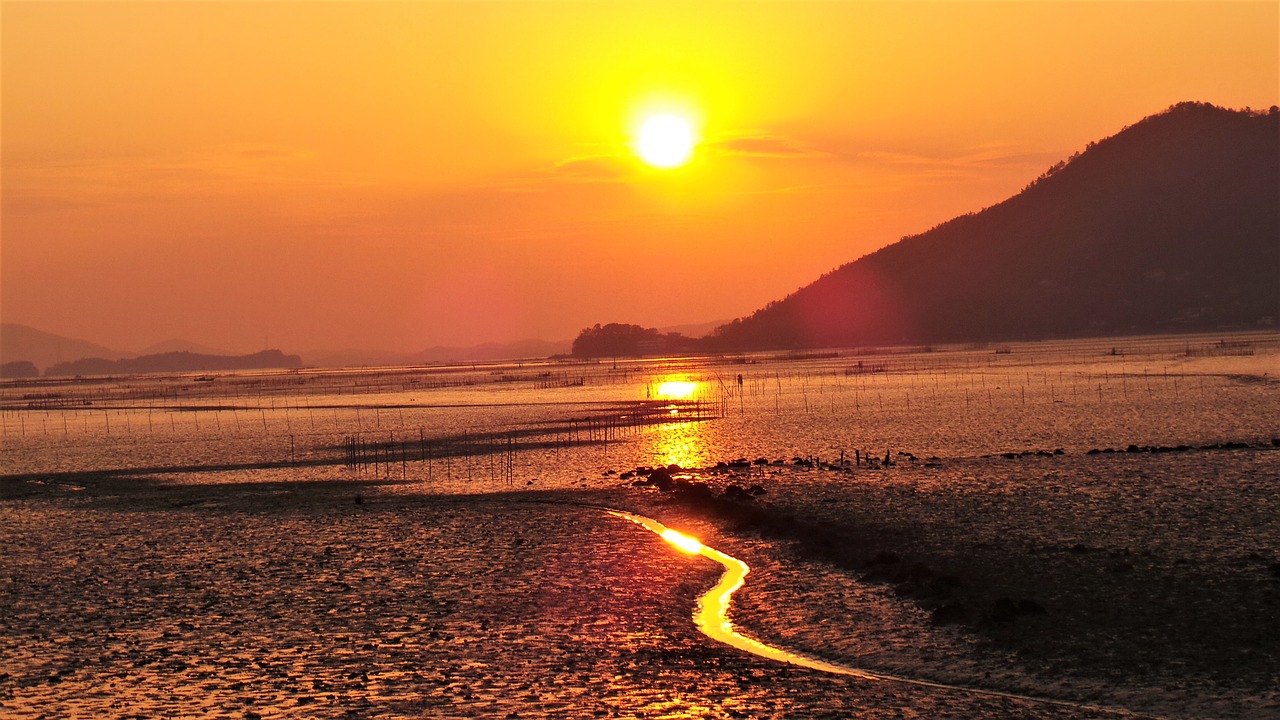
686, 543
712, 618
679, 443
712, 613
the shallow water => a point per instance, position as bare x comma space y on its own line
562, 423
201, 578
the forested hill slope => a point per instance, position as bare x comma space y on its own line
1172, 224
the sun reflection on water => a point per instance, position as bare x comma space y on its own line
712, 612
676, 389
679, 443
686, 543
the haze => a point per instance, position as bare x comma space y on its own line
399, 175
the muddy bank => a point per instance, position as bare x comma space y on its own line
1141, 581
128, 598
1149, 580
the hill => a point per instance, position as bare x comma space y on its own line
1173, 224
42, 349
176, 362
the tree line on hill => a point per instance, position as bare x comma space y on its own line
622, 340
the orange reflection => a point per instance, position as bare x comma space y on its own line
680, 443
712, 618
686, 543
677, 389
712, 613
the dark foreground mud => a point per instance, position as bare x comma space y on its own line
146, 598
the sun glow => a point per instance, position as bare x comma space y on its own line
665, 141
677, 389
688, 544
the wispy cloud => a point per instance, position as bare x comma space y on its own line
597, 167
768, 146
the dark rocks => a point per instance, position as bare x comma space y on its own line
1135, 448
1038, 453
659, 478
692, 491
662, 480
737, 493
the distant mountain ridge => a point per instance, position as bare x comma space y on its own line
42, 349
1173, 224
22, 347
175, 362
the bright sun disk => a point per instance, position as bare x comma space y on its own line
665, 141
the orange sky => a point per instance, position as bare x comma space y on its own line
399, 175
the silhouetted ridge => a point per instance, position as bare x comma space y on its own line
1172, 224
176, 362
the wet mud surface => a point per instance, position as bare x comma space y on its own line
162, 558
137, 598
1149, 582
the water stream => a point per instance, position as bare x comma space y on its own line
711, 617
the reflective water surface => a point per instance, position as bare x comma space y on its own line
562, 422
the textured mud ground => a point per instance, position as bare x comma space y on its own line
147, 598
1145, 581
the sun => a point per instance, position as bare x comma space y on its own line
665, 141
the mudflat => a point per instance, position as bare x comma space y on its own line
1113, 581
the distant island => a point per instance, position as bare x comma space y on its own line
175, 362
1171, 225
622, 340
